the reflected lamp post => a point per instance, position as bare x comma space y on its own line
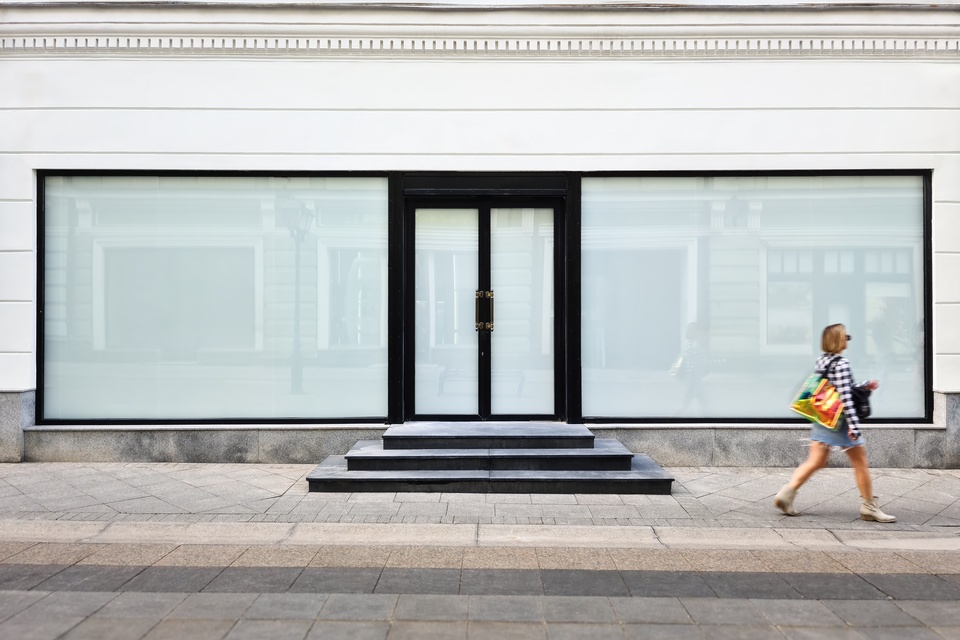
298, 219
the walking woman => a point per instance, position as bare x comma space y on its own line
836, 369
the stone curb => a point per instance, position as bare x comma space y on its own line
472, 535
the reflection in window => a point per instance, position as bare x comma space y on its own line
176, 297
759, 265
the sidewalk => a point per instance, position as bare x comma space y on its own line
244, 551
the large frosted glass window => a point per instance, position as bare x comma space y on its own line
214, 298
736, 277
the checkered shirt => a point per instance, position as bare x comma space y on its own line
841, 377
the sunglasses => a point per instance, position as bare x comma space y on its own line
849, 338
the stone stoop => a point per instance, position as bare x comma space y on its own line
490, 458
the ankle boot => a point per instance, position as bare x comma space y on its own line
870, 511
784, 500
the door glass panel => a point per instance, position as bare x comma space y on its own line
521, 277
447, 354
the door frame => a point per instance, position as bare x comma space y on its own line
477, 191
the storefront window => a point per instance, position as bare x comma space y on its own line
209, 297
736, 277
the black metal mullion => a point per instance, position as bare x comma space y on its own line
484, 338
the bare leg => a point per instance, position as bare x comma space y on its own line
861, 470
816, 459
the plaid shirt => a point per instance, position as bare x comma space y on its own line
841, 377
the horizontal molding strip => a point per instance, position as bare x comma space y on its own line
193, 46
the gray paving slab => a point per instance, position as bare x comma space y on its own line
730, 611
272, 629
90, 578
501, 582
213, 606
340, 606
662, 632
507, 631
872, 613
650, 610
254, 580
172, 579
432, 607
106, 629
497, 608
573, 582
417, 580
326, 630
336, 580
577, 609
286, 606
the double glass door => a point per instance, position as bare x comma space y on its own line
484, 321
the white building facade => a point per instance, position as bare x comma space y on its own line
261, 231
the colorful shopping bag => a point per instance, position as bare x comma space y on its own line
819, 401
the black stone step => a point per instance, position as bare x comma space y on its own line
487, 435
606, 455
644, 477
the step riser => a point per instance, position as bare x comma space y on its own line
398, 443
491, 464
647, 487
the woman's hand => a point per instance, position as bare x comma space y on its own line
871, 384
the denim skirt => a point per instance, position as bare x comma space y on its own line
838, 438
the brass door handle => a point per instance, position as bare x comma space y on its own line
477, 325
490, 298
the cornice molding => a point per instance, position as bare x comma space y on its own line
397, 46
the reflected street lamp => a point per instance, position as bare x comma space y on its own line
298, 219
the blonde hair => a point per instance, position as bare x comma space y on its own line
834, 338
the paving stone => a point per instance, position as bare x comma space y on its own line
871, 613
436, 581
432, 607
797, 613
336, 580
827, 586
22, 577
328, 630
500, 558
213, 606
274, 556
54, 553
567, 558
496, 608
190, 630
272, 629
500, 582
107, 629
650, 610
739, 632
662, 632
13, 602
934, 613
905, 586
570, 631
130, 605
819, 633
404, 630
286, 606
426, 557
714, 611
20, 627
577, 609
507, 631
749, 585
340, 606
666, 584
68, 604
172, 579
893, 633
254, 580
142, 555
649, 560
558, 582
90, 578
371, 556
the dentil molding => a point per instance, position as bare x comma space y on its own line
474, 47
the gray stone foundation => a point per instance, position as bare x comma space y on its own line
924, 446
17, 411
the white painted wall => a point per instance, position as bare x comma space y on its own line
157, 89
